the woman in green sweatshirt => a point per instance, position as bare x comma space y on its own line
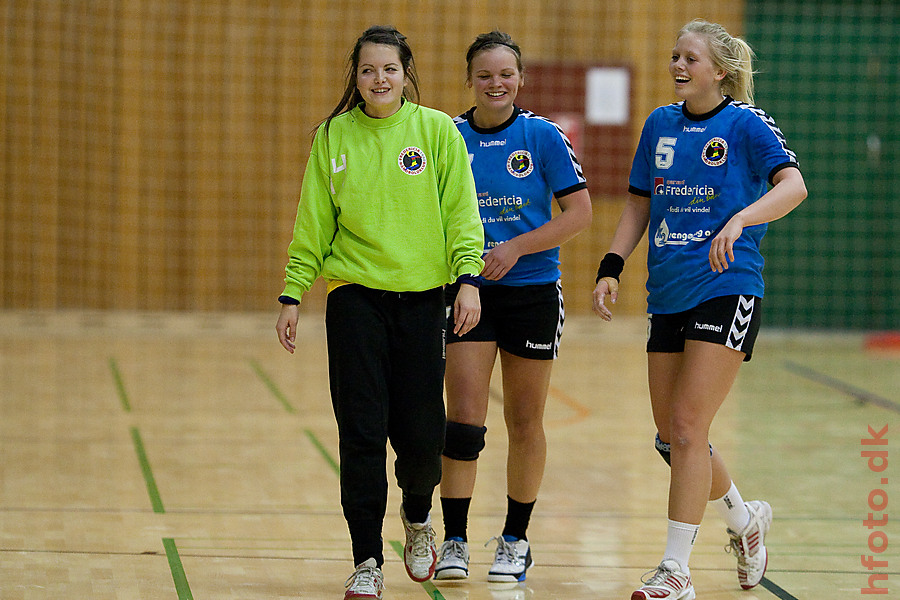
387, 216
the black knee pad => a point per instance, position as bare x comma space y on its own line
665, 450
463, 442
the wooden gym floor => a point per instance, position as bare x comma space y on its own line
166, 456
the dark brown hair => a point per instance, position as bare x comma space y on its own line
487, 41
377, 34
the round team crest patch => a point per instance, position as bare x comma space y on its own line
519, 163
715, 152
412, 160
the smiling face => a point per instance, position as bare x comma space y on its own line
380, 79
697, 79
495, 78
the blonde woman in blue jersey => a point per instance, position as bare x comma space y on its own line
521, 162
699, 184
387, 216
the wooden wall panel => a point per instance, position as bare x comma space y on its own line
152, 152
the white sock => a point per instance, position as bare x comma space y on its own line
732, 509
680, 542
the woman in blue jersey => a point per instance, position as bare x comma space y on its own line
521, 162
385, 266
699, 184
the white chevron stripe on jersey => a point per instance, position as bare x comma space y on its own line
770, 122
575, 164
741, 322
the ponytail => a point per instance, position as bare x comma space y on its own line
731, 54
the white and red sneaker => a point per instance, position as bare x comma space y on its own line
749, 545
668, 582
366, 583
419, 552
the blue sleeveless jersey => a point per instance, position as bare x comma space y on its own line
519, 167
698, 172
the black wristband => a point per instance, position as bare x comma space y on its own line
611, 266
288, 300
473, 280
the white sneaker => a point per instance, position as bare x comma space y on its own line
366, 583
419, 553
453, 560
749, 545
512, 559
668, 582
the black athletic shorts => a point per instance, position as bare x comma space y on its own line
526, 320
732, 321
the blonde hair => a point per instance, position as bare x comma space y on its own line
731, 54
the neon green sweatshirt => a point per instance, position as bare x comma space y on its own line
386, 203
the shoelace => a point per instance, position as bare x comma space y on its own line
506, 551
454, 549
736, 546
365, 577
422, 541
660, 574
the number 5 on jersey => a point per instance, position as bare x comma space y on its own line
665, 152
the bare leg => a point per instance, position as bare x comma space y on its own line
686, 391
525, 386
468, 382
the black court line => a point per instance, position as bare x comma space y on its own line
860, 395
778, 591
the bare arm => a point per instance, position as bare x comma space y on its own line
632, 225
575, 217
787, 193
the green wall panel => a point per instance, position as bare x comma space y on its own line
829, 73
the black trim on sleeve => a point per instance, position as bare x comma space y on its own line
639, 192
570, 190
473, 280
288, 300
781, 167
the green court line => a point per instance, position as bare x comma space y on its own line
181, 582
120, 384
323, 451
433, 592
155, 500
287, 405
272, 387
429, 587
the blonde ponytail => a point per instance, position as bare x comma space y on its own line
731, 54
